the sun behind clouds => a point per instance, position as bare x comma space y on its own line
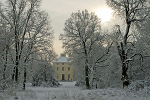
105, 14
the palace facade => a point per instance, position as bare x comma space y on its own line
63, 69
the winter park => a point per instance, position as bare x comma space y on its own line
74, 50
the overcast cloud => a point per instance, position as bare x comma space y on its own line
60, 11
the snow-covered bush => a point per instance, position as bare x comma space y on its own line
5, 83
42, 71
48, 83
138, 85
44, 78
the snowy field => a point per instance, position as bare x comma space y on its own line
68, 91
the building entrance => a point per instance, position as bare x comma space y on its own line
63, 76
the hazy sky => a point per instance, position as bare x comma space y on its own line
60, 11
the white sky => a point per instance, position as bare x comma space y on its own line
60, 11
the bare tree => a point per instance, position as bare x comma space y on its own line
81, 31
142, 36
5, 48
30, 30
131, 11
84, 40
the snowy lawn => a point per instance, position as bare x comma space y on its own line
68, 91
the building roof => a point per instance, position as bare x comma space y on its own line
62, 58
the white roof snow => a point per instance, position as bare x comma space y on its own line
62, 59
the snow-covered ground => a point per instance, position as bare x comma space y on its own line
68, 91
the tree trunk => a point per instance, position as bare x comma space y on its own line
127, 32
24, 81
15, 73
123, 57
125, 78
4, 76
87, 78
45, 76
5, 65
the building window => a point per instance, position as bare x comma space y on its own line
68, 68
57, 63
57, 68
68, 76
62, 63
57, 76
62, 68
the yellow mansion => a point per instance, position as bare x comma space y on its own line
63, 69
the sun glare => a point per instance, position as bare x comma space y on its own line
105, 14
